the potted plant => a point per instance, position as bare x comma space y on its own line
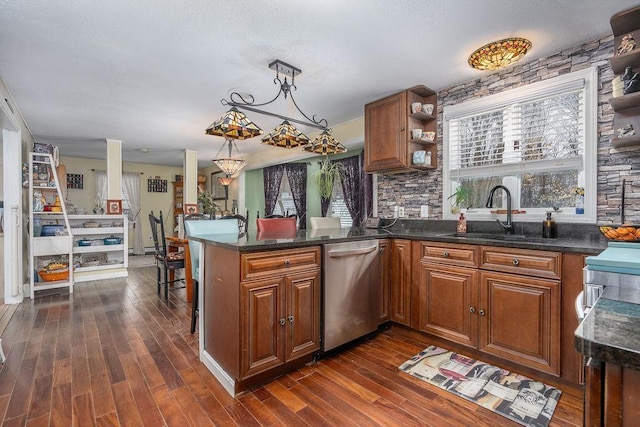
462, 198
325, 177
207, 205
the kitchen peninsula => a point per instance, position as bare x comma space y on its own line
261, 304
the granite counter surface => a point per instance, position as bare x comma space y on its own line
610, 332
252, 241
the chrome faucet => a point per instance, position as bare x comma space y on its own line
508, 226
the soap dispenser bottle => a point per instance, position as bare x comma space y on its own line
462, 224
549, 227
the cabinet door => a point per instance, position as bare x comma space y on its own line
384, 252
303, 314
447, 302
385, 134
263, 323
520, 320
401, 282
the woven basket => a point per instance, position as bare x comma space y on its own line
54, 275
90, 224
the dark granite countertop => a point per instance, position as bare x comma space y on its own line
610, 332
576, 241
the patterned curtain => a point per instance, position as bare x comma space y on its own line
367, 180
272, 176
297, 175
352, 187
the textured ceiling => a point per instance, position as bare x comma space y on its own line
152, 72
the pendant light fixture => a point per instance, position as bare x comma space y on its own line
499, 54
235, 124
229, 165
325, 144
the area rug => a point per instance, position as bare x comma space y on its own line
521, 399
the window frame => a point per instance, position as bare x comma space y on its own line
588, 165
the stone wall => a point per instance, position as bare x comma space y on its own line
414, 189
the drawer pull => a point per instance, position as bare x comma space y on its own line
287, 262
516, 261
472, 309
481, 312
445, 254
290, 319
282, 321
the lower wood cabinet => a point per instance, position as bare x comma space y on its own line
384, 251
280, 320
511, 316
520, 319
401, 282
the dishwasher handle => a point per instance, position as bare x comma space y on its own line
350, 252
578, 305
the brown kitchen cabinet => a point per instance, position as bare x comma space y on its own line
178, 197
261, 311
280, 320
626, 107
388, 141
384, 249
401, 282
512, 312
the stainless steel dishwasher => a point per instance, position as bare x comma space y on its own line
351, 291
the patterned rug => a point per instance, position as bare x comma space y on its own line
514, 396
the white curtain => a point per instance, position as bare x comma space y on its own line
101, 189
131, 187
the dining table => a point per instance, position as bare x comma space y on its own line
176, 243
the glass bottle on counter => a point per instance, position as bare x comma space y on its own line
549, 227
462, 224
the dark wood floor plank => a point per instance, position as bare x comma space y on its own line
82, 408
114, 353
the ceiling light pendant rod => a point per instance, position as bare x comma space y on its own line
248, 103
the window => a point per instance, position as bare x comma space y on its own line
539, 141
285, 205
338, 208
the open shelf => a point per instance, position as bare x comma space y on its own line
627, 141
624, 102
629, 59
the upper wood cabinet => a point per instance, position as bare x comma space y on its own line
388, 141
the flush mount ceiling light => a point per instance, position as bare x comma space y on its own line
499, 54
285, 135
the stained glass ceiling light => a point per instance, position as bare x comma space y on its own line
499, 54
234, 124
325, 144
226, 180
229, 165
285, 135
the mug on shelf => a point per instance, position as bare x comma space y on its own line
428, 136
416, 133
419, 157
416, 107
427, 108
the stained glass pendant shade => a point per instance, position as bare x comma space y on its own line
499, 54
234, 124
325, 144
285, 135
229, 165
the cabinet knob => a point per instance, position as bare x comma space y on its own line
481, 312
472, 309
287, 262
381, 250
516, 261
282, 321
402, 128
445, 254
290, 319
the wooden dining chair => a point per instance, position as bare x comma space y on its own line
166, 261
222, 226
243, 221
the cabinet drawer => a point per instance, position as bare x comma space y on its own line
451, 254
262, 264
522, 261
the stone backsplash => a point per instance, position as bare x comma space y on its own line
411, 190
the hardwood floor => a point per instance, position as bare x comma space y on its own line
114, 354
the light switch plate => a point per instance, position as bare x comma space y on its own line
424, 211
400, 211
